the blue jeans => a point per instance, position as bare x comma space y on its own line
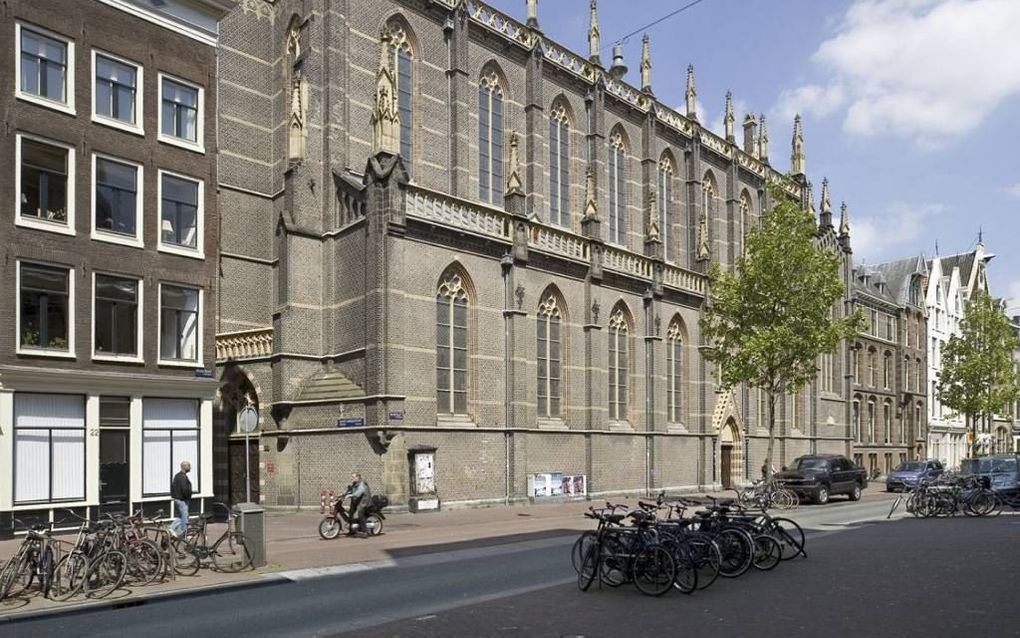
180, 524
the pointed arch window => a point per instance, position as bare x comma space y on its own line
674, 372
550, 352
855, 420
665, 183
401, 62
619, 366
708, 197
617, 190
451, 345
559, 166
871, 421
747, 219
887, 420
490, 139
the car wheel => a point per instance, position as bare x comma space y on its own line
855, 493
822, 496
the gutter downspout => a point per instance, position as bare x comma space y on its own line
506, 264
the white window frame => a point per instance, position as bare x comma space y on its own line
65, 107
138, 128
38, 224
139, 315
199, 331
71, 326
199, 251
199, 144
99, 234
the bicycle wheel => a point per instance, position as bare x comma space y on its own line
329, 527
231, 553
654, 571
707, 558
746, 497
145, 563
185, 561
767, 553
792, 499
790, 537
105, 574
10, 574
686, 579
737, 550
589, 567
613, 554
982, 503
69, 576
580, 548
46, 566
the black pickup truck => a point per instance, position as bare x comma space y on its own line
819, 476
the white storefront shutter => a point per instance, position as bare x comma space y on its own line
49, 447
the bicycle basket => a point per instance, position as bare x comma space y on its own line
380, 501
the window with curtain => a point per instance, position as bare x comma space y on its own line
886, 365
549, 358
44, 185
490, 140
49, 447
619, 366
116, 195
179, 329
887, 420
45, 307
170, 434
43, 66
451, 346
855, 421
559, 166
403, 55
665, 196
674, 373
179, 206
179, 114
617, 190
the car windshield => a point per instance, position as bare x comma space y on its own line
811, 464
910, 467
989, 465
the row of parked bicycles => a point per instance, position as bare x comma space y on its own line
658, 547
118, 552
768, 494
951, 494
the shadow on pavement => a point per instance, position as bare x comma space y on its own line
491, 541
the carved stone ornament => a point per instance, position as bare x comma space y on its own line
595, 311
703, 248
691, 94
385, 117
652, 227
513, 178
658, 325
519, 294
591, 208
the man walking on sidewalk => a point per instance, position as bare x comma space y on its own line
180, 492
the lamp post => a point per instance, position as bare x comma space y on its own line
247, 421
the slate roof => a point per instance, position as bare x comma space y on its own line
898, 275
871, 288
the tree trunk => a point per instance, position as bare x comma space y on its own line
767, 468
972, 435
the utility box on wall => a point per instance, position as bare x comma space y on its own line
421, 462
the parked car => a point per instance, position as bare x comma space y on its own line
908, 474
819, 476
1002, 472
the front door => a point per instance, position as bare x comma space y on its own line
114, 470
238, 494
727, 466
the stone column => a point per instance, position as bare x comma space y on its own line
461, 96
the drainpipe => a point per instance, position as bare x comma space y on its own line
506, 264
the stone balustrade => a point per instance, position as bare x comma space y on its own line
244, 344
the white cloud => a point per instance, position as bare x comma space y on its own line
925, 70
875, 236
1014, 190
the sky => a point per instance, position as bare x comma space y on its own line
911, 108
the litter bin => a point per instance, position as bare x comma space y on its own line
251, 521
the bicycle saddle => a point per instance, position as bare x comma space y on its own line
206, 516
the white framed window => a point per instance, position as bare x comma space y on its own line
181, 214
44, 178
181, 113
451, 346
116, 317
665, 188
170, 434
49, 448
674, 373
549, 358
619, 366
490, 140
116, 92
44, 71
617, 190
559, 166
45, 319
180, 325
117, 196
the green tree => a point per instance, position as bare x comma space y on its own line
769, 319
977, 377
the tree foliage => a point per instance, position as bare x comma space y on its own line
769, 319
977, 376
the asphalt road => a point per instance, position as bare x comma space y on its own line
905, 578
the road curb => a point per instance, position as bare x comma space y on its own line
263, 580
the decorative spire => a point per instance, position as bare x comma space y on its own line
750, 135
513, 178
826, 202
385, 116
728, 118
532, 13
811, 198
591, 208
594, 35
797, 160
844, 221
652, 227
763, 139
646, 65
691, 94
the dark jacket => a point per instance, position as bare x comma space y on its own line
180, 487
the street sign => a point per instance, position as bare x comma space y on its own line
350, 422
247, 419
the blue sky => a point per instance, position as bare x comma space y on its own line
911, 107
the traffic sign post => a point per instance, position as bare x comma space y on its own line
247, 421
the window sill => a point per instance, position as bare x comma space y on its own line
191, 253
194, 365
63, 107
551, 424
109, 238
185, 144
43, 225
41, 352
676, 428
455, 421
117, 124
113, 358
35, 505
620, 426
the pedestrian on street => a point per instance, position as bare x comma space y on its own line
361, 496
180, 492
